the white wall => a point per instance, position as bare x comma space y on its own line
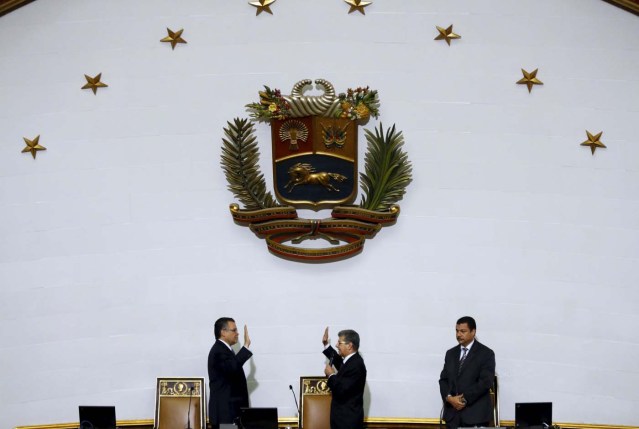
118, 251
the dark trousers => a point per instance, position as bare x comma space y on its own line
458, 421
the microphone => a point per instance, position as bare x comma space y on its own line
297, 407
188, 413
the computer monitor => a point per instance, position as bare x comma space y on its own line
533, 414
97, 417
258, 418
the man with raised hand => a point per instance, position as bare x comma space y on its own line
227, 381
346, 374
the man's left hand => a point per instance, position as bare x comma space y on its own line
329, 370
458, 402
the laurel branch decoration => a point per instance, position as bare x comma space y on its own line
387, 170
240, 157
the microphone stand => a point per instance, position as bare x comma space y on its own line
290, 386
188, 413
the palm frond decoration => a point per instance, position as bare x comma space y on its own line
240, 157
387, 170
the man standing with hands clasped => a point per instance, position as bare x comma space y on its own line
465, 381
227, 381
346, 374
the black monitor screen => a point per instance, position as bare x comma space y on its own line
533, 414
258, 418
97, 417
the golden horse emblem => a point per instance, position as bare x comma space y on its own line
305, 174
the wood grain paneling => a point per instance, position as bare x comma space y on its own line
7, 6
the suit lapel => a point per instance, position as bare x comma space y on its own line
457, 355
353, 358
471, 354
348, 364
342, 368
223, 347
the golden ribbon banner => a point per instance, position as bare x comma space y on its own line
346, 230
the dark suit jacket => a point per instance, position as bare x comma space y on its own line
227, 383
347, 387
474, 381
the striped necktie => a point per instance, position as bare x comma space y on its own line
463, 358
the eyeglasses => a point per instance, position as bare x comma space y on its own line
232, 330
343, 342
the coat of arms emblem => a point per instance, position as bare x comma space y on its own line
315, 166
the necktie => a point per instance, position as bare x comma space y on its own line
463, 358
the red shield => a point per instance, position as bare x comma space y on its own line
315, 161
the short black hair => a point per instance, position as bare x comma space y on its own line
221, 323
350, 336
469, 321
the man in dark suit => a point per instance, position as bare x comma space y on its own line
227, 381
346, 374
465, 381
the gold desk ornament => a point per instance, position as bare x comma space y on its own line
33, 146
358, 5
93, 83
446, 34
262, 6
593, 141
174, 37
314, 151
529, 79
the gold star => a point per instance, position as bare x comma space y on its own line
446, 34
262, 6
174, 37
93, 83
32, 146
358, 5
593, 141
529, 79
